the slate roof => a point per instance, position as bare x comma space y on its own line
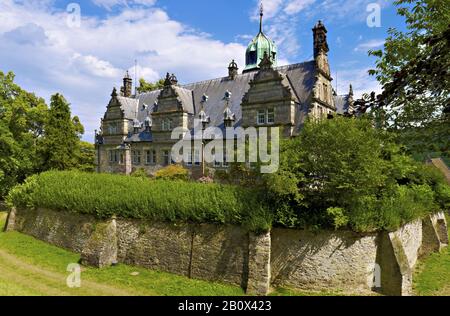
129, 107
300, 77
140, 137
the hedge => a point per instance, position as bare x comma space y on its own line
105, 195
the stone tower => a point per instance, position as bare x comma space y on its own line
323, 103
127, 88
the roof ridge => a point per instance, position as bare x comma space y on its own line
184, 86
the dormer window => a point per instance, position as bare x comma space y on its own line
261, 120
166, 125
266, 116
113, 128
270, 116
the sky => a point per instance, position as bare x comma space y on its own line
82, 49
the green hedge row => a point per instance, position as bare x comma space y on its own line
104, 195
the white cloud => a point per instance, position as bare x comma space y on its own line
359, 78
85, 63
109, 4
295, 6
96, 67
372, 44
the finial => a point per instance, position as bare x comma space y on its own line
261, 14
351, 90
266, 62
114, 92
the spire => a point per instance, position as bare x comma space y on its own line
351, 90
261, 14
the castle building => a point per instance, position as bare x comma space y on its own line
136, 129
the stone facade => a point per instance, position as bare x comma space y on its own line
300, 259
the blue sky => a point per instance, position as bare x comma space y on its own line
194, 39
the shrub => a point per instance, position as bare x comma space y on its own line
173, 172
104, 195
343, 173
140, 173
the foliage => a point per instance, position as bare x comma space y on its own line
86, 157
61, 143
345, 173
22, 117
104, 195
173, 172
145, 86
34, 138
140, 173
414, 71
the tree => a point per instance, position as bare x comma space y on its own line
86, 158
415, 73
346, 173
61, 144
145, 86
22, 117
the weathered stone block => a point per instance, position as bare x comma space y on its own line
10, 220
259, 269
220, 253
101, 248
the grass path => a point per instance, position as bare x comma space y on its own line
432, 277
31, 267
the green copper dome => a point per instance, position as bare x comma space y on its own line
255, 50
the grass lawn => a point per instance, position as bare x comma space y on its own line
433, 274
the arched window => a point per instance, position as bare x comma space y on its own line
251, 58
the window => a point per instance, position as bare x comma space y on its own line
150, 157
261, 117
270, 116
115, 156
136, 157
225, 159
121, 158
167, 124
251, 58
113, 128
266, 117
189, 158
166, 157
325, 91
197, 157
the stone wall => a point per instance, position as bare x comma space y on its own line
323, 259
299, 259
62, 229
